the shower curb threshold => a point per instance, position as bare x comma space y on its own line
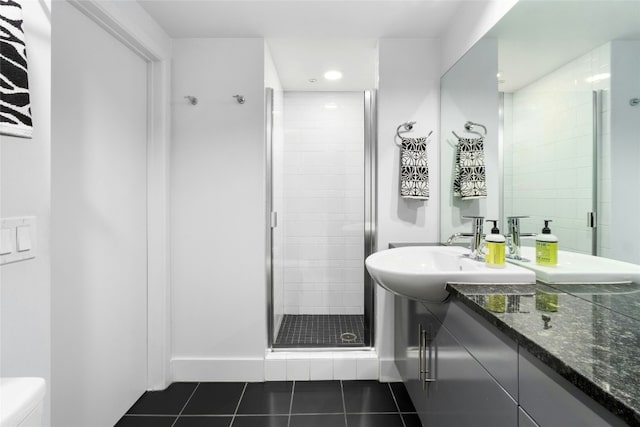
339, 364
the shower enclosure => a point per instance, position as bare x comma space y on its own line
320, 225
551, 148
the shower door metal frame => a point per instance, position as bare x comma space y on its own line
592, 219
370, 208
370, 221
268, 121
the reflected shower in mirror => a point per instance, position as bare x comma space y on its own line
569, 144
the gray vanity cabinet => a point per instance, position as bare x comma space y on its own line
552, 401
478, 376
495, 351
524, 420
447, 385
409, 316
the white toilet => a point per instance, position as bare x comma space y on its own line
21, 401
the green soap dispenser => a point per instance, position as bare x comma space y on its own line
546, 246
494, 257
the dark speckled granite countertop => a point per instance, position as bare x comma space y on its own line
593, 339
594, 335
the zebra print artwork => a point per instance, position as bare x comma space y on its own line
15, 107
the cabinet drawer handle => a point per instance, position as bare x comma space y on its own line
420, 353
426, 377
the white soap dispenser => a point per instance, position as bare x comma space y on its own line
546, 247
494, 256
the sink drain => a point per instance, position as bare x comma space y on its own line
348, 337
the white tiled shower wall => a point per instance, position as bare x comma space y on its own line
323, 202
548, 162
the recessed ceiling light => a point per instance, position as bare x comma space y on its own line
333, 75
331, 106
313, 80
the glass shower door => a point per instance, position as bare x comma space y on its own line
321, 295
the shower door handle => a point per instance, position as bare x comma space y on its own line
274, 219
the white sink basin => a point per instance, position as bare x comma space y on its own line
421, 272
574, 267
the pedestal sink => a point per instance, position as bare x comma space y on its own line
422, 272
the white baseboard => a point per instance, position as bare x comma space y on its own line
209, 369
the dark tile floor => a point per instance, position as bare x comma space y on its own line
275, 404
318, 330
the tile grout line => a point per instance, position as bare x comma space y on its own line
344, 406
396, 402
293, 390
185, 405
238, 405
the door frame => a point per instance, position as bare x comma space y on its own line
127, 23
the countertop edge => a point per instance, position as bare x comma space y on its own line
593, 390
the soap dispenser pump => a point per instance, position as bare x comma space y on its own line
546, 246
495, 247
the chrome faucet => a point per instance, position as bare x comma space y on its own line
476, 237
513, 238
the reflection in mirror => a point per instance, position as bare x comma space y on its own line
570, 148
469, 93
549, 141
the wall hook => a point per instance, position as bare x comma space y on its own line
192, 99
239, 98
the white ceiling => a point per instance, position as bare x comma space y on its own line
302, 18
300, 59
308, 37
537, 37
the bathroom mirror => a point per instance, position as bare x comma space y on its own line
563, 142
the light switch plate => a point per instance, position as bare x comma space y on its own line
7, 241
23, 243
23, 238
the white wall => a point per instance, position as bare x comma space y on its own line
472, 21
99, 222
470, 92
625, 150
218, 210
272, 80
323, 202
549, 167
25, 290
406, 92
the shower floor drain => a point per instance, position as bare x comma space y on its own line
348, 337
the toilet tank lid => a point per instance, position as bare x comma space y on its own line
19, 396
